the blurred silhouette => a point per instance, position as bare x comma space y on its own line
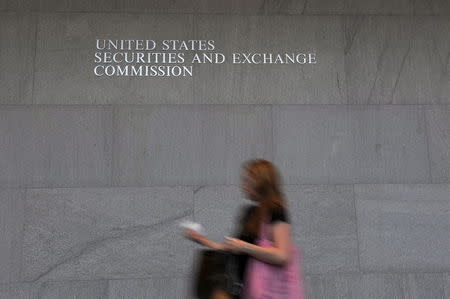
261, 260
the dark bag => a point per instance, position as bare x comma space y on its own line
216, 270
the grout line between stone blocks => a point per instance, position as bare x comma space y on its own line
293, 13
194, 36
193, 204
2, 106
151, 277
356, 227
113, 145
272, 143
427, 140
23, 198
197, 185
33, 72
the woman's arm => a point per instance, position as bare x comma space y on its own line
277, 255
203, 240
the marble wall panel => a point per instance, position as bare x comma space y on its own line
399, 232
55, 146
17, 51
85, 234
350, 144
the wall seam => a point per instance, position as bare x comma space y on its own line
427, 141
295, 13
356, 227
272, 143
23, 198
194, 36
113, 145
325, 274
33, 74
202, 185
2, 106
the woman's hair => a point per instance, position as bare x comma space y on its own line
267, 189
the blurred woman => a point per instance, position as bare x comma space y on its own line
261, 185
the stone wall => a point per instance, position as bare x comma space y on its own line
96, 172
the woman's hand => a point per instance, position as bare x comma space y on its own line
194, 236
237, 246
202, 240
